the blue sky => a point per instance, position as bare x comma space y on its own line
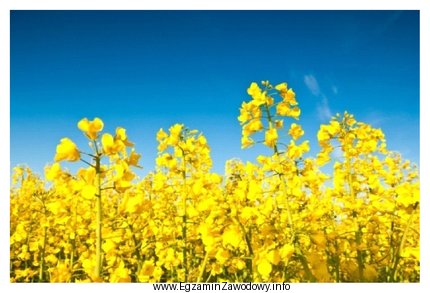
144, 70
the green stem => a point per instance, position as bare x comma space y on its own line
42, 255
337, 262
202, 269
184, 217
269, 118
305, 264
248, 240
400, 248
137, 247
98, 267
72, 254
360, 255
298, 250
73, 241
299, 253
358, 233
86, 162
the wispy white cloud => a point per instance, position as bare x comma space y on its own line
323, 109
312, 84
334, 89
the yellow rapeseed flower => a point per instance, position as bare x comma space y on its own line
246, 142
281, 87
271, 137
108, 144
67, 150
91, 128
53, 172
295, 131
289, 97
264, 268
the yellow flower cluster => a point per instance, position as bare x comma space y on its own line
262, 108
350, 214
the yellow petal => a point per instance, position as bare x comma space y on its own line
161, 135
52, 172
271, 137
232, 236
97, 124
84, 124
281, 86
88, 191
121, 134
107, 143
264, 268
67, 150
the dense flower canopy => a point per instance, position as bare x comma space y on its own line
280, 219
